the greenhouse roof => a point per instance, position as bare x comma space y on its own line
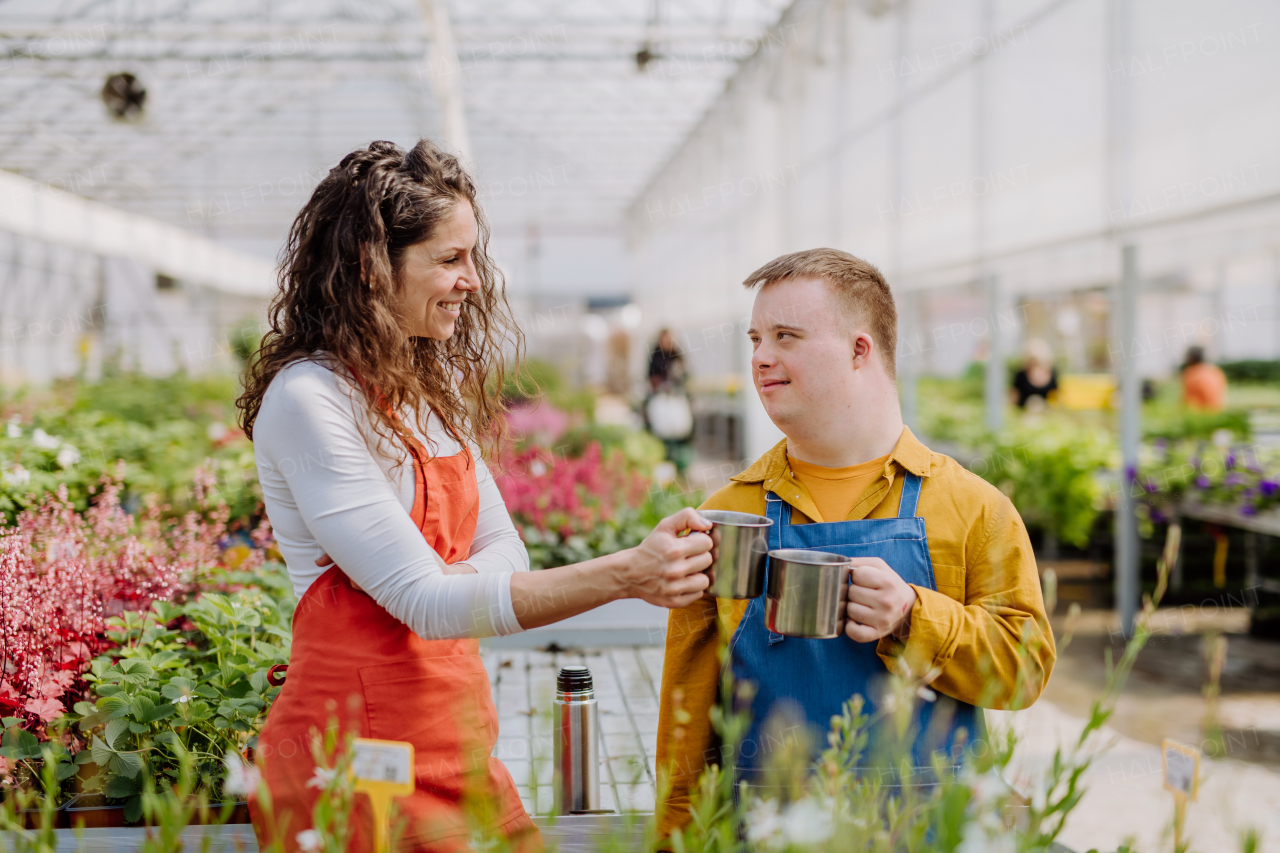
571, 106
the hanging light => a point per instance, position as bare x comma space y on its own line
124, 96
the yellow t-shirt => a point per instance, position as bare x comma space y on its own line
836, 491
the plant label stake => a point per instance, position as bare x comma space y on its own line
1182, 779
382, 769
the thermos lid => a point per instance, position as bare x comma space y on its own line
574, 679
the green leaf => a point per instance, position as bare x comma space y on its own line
85, 709
221, 722
120, 787
178, 687
258, 681
161, 659
9, 722
126, 764
168, 738
135, 671
114, 729
84, 756
66, 770
19, 745
220, 602
247, 616
142, 707
137, 728
133, 809
102, 753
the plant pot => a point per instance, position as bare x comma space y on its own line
30, 818
93, 812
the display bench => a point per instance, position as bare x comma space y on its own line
571, 834
1266, 523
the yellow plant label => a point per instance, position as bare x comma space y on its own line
382, 769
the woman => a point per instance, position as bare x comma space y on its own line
365, 404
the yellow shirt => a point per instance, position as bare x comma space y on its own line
835, 491
987, 605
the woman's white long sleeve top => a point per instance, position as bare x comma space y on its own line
328, 491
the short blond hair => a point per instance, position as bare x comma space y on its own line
859, 288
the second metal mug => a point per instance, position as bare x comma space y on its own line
808, 593
742, 543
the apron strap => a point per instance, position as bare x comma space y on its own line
910, 495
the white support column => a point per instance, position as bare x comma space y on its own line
446, 77
994, 388
1126, 522
908, 366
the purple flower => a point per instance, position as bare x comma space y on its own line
1268, 488
1157, 516
1202, 481
1131, 473
1233, 479
1231, 460
1248, 509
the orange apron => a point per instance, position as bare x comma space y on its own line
354, 662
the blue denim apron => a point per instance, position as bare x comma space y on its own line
817, 676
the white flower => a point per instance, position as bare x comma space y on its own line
242, 778
68, 456
14, 430
926, 694
321, 777
184, 698
217, 431
44, 441
807, 822
763, 823
17, 476
309, 840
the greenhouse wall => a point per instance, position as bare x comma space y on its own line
959, 143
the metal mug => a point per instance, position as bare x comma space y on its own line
808, 593
741, 543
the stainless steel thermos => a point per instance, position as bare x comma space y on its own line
576, 781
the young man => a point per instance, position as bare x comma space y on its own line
944, 584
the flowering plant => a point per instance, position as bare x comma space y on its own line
78, 585
1246, 478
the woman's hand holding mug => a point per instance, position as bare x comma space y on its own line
667, 568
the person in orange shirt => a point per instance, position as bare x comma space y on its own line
944, 583
1204, 385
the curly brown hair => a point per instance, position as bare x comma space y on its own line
375, 204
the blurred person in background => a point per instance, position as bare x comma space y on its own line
1037, 378
666, 363
1204, 385
668, 412
367, 403
959, 606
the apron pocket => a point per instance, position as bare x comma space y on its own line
443, 706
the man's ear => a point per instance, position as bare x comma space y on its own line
863, 347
